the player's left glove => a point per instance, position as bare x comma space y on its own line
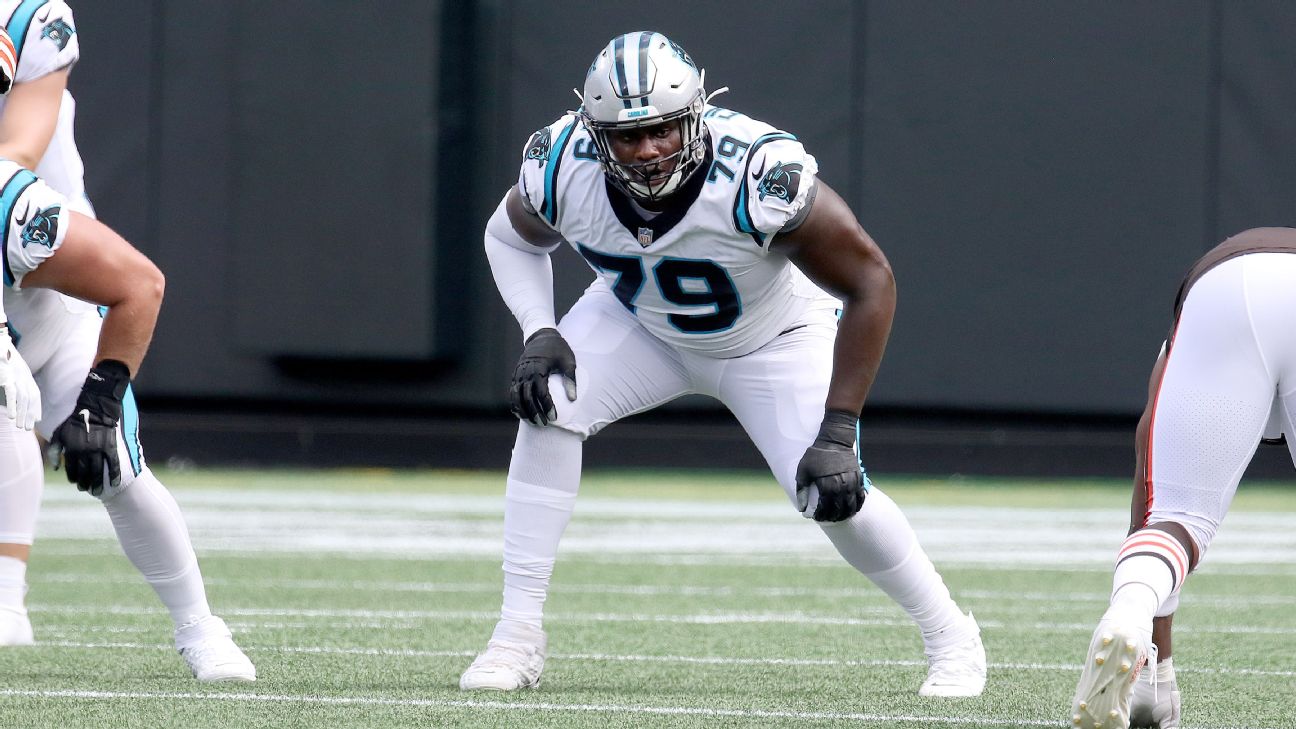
8, 62
545, 353
831, 471
88, 439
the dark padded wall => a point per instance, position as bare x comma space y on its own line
1036, 173
1040, 174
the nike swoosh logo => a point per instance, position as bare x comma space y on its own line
85, 416
22, 219
44, 17
760, 171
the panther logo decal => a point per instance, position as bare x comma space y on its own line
41, 228
538, 147
782, 181
682, 54
59, 32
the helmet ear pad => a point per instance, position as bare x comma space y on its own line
643, 79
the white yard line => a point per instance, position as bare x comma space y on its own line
631, 658
716, 618
430, 526
550, 707
851, 593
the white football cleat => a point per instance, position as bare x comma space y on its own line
15, 627
1120, 649
959, 669
508, 664
209, 650
1156, 705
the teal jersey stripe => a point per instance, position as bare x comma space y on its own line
20, 181
130, 430
20, 21
550, 207
742, 213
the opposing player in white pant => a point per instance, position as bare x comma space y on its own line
1225, 379
714, 246
60, 336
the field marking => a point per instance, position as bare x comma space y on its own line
230, 521
546, 706
540, 706
718, 618
865, 592
632, 658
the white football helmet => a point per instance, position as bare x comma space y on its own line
641, 79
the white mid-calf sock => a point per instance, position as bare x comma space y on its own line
879, 542
543, 479
13, 582
154, 536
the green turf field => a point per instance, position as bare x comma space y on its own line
680, 600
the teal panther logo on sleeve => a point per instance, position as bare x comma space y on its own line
41, 228
538, 147
59, 32
782, 181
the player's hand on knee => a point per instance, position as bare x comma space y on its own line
830, 483
22, 402
87, 440
545, 353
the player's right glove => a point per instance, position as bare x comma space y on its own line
545, 353
831, 471
88, 439
22, 402
8, 62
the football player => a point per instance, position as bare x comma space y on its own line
1225, 380
723, 266
56, 259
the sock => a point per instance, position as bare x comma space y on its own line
13, 582
880, 543
544, 476
155, 538
1150, 568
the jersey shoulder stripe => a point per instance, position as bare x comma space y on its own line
741, 211
550, 207
9, 194
20, 21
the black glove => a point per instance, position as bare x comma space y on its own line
544, 353
88, 439
830, 464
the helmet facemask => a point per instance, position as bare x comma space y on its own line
644, 180
641, 80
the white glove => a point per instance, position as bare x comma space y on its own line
8, 62
21, 397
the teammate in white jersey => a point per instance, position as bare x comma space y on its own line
1225, 380
60, 337
713, 241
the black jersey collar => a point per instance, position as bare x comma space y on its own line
677, 204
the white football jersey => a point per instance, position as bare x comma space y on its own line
699, 275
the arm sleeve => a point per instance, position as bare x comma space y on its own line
45, 37
523, 273
35, 222
778, 185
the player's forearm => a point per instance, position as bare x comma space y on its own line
128, 326
862, 336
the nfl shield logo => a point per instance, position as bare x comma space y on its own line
645, 237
